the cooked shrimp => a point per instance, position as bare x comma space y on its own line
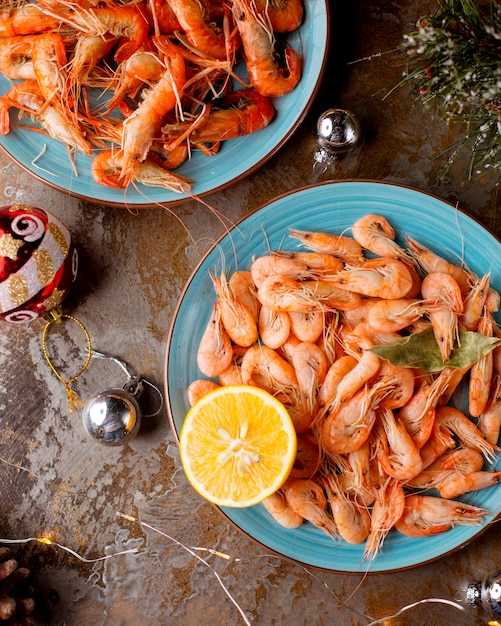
474, 302
489, 422
456, 484
25, 19
307, 499
359, 471
201, 34
279, 509
366, 368
142, 127
15, 56
235, 316
397, 453
335, 374
265, 73
328, 339
394, 315
49, 59
418, 414
382, 277
107, 166
310, 366
321, 265
200, 388
307, 325
264, 368
286, 294
232, 375
278, 265
481, 373
387, 510
446, 305
347, 429
27, 97
345, 248
240, 113
431, 262
285, 16
215, 352
353, 521
429, 515
274, 327
401, 381
449, 420
458, 461
243, 288
376, 234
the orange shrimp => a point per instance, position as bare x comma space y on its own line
200, 388
366, 368
489, 422
278, 507
286, 294
458, 461
397, 453
429, 515
307, 325
243, 288
285, 16
359, 462
310, 366
321, 265
344, 248
401, 382
15, 56
89, 50
258, 42
49, 60
394, 315
457, 484
474, 302
240, 113
125, 21
237, 320
431, 262
278, 265
25, 19
449, 420
215, 352
27, 97
353, 521
274, 327
387, 510
307, 499
232, 375
202, 35
481, 373
446, 305
382, 277
376, 234
107, 166
347, 429
335, 374
142, 127
263, 367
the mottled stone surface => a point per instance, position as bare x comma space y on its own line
132, 271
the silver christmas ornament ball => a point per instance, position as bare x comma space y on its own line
112, 417
338, 131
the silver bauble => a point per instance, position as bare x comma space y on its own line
338, 131
112, 417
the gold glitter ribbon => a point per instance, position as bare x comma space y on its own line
55, 316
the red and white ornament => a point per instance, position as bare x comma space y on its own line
38, 262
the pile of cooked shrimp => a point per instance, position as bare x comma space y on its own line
372, 436
165, 71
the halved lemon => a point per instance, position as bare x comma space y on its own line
237, 445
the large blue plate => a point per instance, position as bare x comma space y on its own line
331, 207
237, 158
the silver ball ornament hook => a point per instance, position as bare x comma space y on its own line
113, 416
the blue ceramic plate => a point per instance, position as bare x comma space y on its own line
331, 207
48, 159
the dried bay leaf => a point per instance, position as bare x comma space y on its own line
422, 350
